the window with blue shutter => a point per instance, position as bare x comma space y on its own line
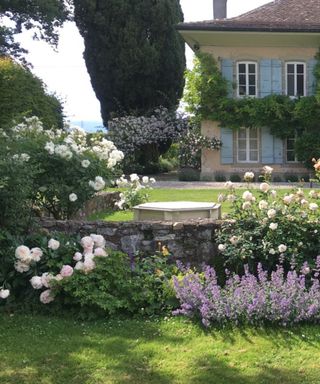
226, 151
227, 73
311, 80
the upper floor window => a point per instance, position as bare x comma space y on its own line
296, 79
247, 78
248, 145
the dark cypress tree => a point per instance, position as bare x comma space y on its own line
133, 53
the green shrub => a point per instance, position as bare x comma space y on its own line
235, 178
292, 178
189, 174
220, 177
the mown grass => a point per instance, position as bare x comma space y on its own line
170, 194
44, 350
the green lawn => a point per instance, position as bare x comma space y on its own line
45, 350
161, 194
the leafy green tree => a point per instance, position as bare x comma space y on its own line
133, 53
23, 94
44, 17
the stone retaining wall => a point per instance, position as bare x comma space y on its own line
191, 241
100, 202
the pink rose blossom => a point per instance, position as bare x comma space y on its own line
36, 282
100, 252
66, 271
77, 256
36, 253
46, 296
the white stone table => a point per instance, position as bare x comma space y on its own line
176, 211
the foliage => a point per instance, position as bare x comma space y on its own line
207, 98
133, 52
190, 146
135, 193
144, 138
270, 228
44, 17
205, 87
61, 169
283, 299
23, 94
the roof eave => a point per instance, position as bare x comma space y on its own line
247, 29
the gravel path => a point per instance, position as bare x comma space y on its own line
217, 185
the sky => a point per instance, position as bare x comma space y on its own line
64, 71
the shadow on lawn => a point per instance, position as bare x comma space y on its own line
117, 352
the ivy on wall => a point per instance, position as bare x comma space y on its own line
207, 98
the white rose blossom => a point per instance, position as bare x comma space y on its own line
313, 207
264, 187
282, 248
271, 213
248, 176
222, 247
53, 244
73, 197
263, 204
247, 196
4, 293
85, 163
273, 226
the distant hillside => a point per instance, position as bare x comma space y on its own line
89, 125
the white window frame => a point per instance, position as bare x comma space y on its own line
286, 150
248, 147
247, 63
295, 63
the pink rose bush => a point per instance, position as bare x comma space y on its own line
93, 246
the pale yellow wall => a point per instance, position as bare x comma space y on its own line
258, 53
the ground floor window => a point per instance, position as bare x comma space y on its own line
248, 145
290, 153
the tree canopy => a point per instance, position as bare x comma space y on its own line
44, 17
23, 94
134, 55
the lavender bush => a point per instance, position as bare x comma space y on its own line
280, 298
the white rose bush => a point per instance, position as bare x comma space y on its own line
135, 190
270, 226
59, 170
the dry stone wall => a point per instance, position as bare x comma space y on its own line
191, 241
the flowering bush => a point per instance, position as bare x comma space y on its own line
62, 169
283, 299
191, 145
96, 280
270, 227
144, 138
136, 192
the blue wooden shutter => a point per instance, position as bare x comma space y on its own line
265, 77
278, 150
227, 73
227, 146
276, 85
266, 146
311, 80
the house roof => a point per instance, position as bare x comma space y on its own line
276, 16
